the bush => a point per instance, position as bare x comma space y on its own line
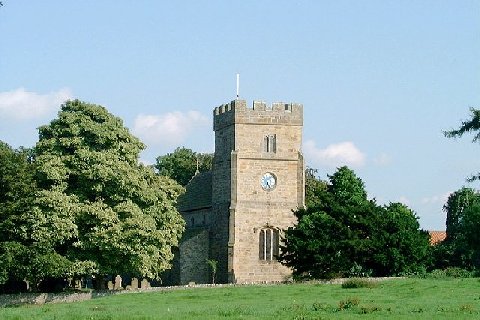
437, 274
358, 283
348, 303
455, 272
451, 272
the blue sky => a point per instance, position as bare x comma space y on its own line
379, 80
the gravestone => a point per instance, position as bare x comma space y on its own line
118, 283
145, 284
134, 283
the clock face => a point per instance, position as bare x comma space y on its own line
268, 181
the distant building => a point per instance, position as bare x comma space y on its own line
235, 213
437, 237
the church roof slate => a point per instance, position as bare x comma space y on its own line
198, 194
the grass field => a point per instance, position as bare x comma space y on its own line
392, 299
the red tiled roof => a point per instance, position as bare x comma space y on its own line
437, 236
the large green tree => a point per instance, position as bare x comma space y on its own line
457, 203
468, 240
97, 205
342, 233
400, 246
458, 249
182, 164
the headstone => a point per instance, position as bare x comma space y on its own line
145, 284
110, 285
118, 283
134, 283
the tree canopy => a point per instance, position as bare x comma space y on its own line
455, 207
181, 164
342, 233
463, 220
103, 207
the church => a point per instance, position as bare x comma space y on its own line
236, 212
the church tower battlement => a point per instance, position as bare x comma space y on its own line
260, 113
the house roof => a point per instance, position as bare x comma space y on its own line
198, 194
436, 236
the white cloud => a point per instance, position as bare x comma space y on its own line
334, 155
404, 200
23, 105
436, 199
382, 159
170, 129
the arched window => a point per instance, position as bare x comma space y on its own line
270, 143
269, 239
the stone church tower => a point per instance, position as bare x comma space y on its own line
235, 214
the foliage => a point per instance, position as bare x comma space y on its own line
342, 233
311, 250
347, 188
400, 246
355, 283
13, 261
16, 193
96, 205
457, 203
181, 165
313, 186
392, 299
16, 201
460, 248
469, 126
450, 272
348, 303
213, 267
468, 241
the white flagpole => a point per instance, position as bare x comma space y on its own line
238, 85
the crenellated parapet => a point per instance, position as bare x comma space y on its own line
237, 112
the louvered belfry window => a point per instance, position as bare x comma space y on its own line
269, 239
270, 143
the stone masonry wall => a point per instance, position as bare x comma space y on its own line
194, 249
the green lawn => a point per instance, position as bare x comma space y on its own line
392, 299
